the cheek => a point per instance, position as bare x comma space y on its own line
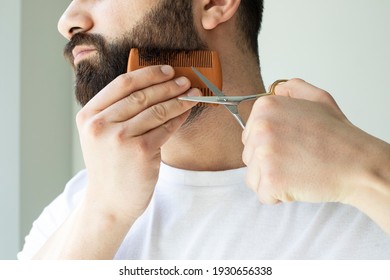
114, 18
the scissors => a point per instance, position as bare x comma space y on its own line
230, 102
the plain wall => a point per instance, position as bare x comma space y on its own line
46, 105
340, 46
10, 81
35, 115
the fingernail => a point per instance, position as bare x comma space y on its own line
194, 92
182, 81
167, 70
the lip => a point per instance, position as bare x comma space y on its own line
81, 52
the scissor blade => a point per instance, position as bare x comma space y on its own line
208, 99
223, 100
209, 84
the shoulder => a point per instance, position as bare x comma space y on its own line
75, 188
63, 205
54, 215
70, 197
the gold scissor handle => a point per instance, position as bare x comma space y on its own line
274, 84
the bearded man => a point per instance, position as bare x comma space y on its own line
165, 179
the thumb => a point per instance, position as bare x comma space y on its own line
299, 89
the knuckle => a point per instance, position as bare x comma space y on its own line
138, 98
169, 87
159, 112
265, 104
121, 136
124, 80
169, 127
264, 126
326, 94
267, 151
160, 71
81, 117
182, 105
96, 126
326, 97
141, 145
263, 129
296, 81
153, 71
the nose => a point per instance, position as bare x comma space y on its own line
74, 20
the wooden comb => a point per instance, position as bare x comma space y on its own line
206, 62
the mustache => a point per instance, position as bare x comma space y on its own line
95, 40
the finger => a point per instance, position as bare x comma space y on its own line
247, 153
263, 117
261, 143
157, 137
258, 184
127, 83
299, 89
249, 146
249, 127
159, 114
140, 100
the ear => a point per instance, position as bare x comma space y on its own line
216, 12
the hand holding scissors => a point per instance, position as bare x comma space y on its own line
230, 102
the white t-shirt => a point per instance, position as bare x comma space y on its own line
213, 215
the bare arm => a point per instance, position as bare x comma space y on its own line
87, 234
121, 132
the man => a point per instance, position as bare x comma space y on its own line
167, 180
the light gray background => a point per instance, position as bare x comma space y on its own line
341, 46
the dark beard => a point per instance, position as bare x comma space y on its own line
92, 75
169, 27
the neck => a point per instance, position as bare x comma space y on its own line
213, 140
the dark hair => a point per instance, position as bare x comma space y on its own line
250, 15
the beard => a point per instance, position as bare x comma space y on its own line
168, 27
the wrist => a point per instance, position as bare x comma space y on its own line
370, 192
106, 213
89, 233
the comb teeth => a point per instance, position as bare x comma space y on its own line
179, 59
202, 59
207, 62
206, 91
